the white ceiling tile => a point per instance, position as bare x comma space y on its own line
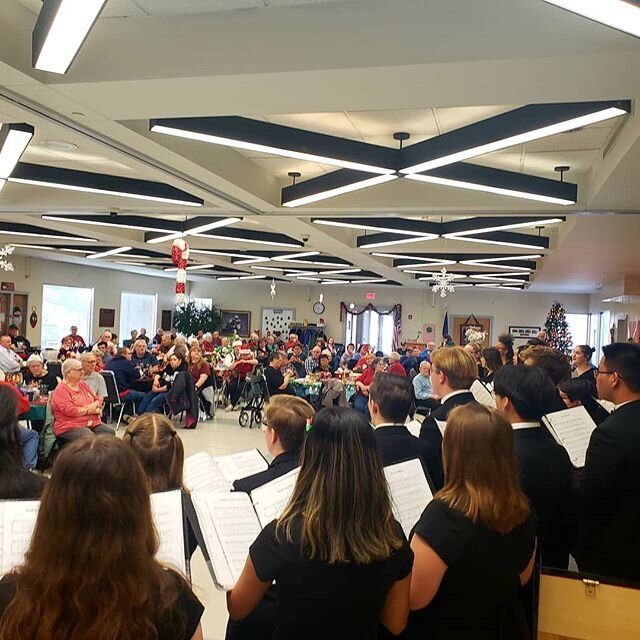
419, 122
334, 124
581, 139
543, 163
280, 167
113, 9
388, 141
184, 7
451, 118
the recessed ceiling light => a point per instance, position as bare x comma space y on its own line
59, 145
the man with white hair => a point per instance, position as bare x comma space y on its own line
423, 390
10, 362
95, 381
395, 366
313, 361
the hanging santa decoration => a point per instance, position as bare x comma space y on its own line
180, 257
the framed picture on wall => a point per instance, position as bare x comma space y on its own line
238, 321
107, 318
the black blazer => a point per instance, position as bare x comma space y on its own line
395, 444
545, 474
430, 434
609, 538
279, 466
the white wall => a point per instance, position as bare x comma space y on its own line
30, 274
506, 307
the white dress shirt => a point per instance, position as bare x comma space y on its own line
10, 362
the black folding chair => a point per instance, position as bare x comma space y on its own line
113, 396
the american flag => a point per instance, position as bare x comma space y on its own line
397, 324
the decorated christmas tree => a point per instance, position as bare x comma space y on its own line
557, 329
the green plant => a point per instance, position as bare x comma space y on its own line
191, 317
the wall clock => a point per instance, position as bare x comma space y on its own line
318, 308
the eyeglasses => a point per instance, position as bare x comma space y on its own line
599, 372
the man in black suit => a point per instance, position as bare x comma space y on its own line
453, 371
390, 400
525, 394
609, 535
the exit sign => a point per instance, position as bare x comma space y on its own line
370, 296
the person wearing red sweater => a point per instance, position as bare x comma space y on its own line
395, 366
363, 382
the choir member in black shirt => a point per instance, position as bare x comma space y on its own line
390, 401
340, 561
286, 419
525, 394
610, 485
578, 391
277, 383
581, 360
453, 371
474, 544
491, 362
91, 569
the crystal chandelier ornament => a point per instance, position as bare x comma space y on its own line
443, 283
5, 252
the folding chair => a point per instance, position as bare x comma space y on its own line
113, 396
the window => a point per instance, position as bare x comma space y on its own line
137, 310
579, 327
370, 328
63, 307
203, 302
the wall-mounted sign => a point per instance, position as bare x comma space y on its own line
524, 332
370, 296
8, 286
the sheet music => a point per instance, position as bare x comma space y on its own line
482, 394
414, 427
166, 508
410, 492
270, 499
229, 525
17, 521
442, 425
572, 428
241, 465
201, 473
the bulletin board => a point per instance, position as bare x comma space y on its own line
276, 320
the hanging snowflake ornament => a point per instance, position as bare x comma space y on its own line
273, 289
6, 251
443, 283
180, 257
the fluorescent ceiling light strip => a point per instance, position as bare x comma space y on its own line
368, 227
251, 146
433, 274
487, 189
408, 256
528, 136
420, 265
2, 183
487, 276
15, 143
111, 252
212, 225
292, 256
198, 267
388, 243
488, 262
515, 225
226, 254
32, 246
136, 196
308, 278
498, 242
618, 14
47, 235
254, 277
334, 282
228, 278
368, 281
251, 260
251, 241
355, 186
497, 286
339, 271
67, 32
267, 268
102, 224
170, 236
297, 274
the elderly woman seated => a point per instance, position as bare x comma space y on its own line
77, 410
38, 376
